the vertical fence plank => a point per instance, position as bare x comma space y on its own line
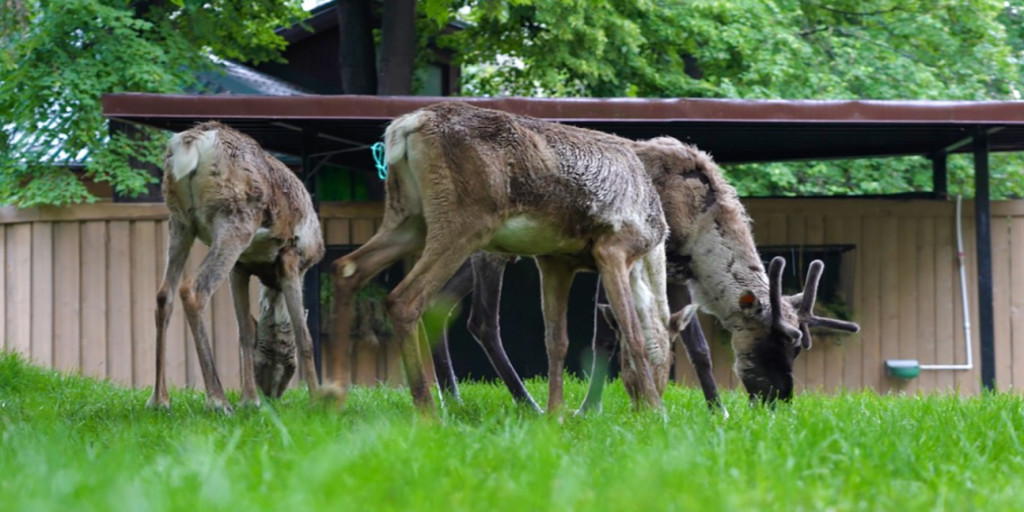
853, 344
119, 302
19, 288
94, 298
925, 293
1001, 300
889, 333
42, 293
831, 344
797, 235
926, 298
67, 355
814, 359
872, 339
906, 289
336, 232
1017, 303
143, 308
947, 300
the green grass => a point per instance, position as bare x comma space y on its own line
69, 443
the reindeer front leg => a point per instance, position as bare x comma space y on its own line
636, 370
246, 335
224, 252
696, 345
439, 261
291, 287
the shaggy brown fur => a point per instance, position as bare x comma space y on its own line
463, 178
257, 219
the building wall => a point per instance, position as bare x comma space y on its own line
79, 288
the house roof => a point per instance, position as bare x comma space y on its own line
733, 131
234, 78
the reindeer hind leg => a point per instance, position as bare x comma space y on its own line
180, 239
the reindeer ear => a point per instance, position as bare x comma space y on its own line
680, 319
748, 300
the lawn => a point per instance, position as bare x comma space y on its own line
70, 443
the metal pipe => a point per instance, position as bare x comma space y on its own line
963, 295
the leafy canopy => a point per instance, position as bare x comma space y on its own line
793, 49
57, 57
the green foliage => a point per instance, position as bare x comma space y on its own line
71, 443
58, 58
793, 49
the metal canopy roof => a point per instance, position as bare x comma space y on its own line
733, 131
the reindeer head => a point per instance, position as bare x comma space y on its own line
274, 357
764, 356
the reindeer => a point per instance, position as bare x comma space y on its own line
257, 219
710, 251
462, 178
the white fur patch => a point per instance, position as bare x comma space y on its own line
273, 299
185, 158
308, 232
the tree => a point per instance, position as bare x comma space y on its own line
798, 49
360, 71
59, 57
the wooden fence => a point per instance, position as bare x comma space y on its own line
80, 289
80, 284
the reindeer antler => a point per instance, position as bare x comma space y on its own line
805, 307
775, 300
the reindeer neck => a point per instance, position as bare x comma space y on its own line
723, 265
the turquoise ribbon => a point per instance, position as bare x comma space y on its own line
378, 159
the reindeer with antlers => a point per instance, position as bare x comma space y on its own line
710, 251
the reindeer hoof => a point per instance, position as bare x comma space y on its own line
331, 393
586, 409
220, 405
250, 403
159, 403
348, 269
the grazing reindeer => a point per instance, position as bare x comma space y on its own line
257, 219
710, 250
464, 178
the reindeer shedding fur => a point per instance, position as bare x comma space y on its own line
710, 250
463, 178
257, 218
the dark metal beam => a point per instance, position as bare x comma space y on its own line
940, 175
311, 284
982, 214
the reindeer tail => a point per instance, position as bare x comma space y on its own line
186, 149
397, 132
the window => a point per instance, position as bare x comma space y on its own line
835, 289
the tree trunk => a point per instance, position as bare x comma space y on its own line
397, 48
356, 53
